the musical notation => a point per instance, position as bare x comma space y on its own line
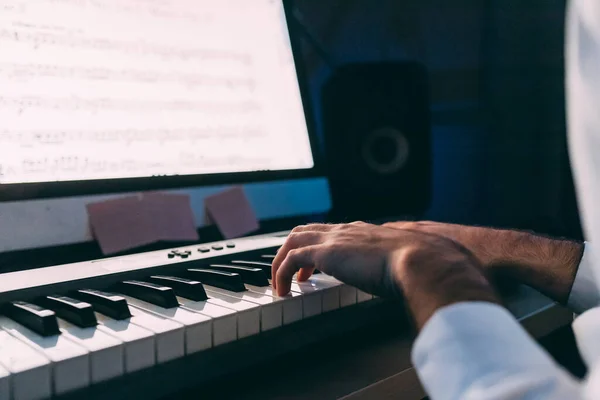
96, 105
71, 167
129, 137
137, 8
39, 39
12, 7
191, 80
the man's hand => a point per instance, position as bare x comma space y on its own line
430, 271
548, 265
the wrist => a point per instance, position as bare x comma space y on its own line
424, 305
546, 264
431, 282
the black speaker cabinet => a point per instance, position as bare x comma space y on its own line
377, 136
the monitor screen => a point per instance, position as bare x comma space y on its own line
106, 90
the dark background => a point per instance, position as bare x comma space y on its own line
498, 102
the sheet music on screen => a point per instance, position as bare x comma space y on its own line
102, 89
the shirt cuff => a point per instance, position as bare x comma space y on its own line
586, 328
584, 293
478, 347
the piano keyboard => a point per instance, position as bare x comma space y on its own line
67, 328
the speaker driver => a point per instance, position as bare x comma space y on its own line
385, 151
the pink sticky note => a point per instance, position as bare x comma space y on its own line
231, 211
172, 216
121, 224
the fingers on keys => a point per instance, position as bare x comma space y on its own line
305, 273
295, 260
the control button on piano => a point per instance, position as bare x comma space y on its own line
248, 313
271, 309
224, 320
109, 304
230, 245
169, 335
70, 362
30, 372
139, 343
105, 351
204, 249
249, 275
292, 303
198, 327
75, 311
32, 316
182, 287
159, 295
217, 247
224, 280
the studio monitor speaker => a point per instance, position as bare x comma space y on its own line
377, 136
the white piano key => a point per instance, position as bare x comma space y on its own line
347, 292
106, 352
26, 366
312, 298
224, 323
248, 313
331, 291
198, 327
70, 362
271, 310
348, 295
292, 303
361, 296
4, 383
169, 335
138, 342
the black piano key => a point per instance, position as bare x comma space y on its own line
159, 295
109, 304
32, 316
268, 259
251, 276
185, 288
75, 311
266, 267
224, 280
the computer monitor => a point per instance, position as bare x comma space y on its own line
115, 96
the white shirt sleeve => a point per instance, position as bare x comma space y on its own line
586, 328
584, 293
478, 350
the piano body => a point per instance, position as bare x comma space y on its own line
155, 325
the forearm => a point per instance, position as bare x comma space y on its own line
548, 265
